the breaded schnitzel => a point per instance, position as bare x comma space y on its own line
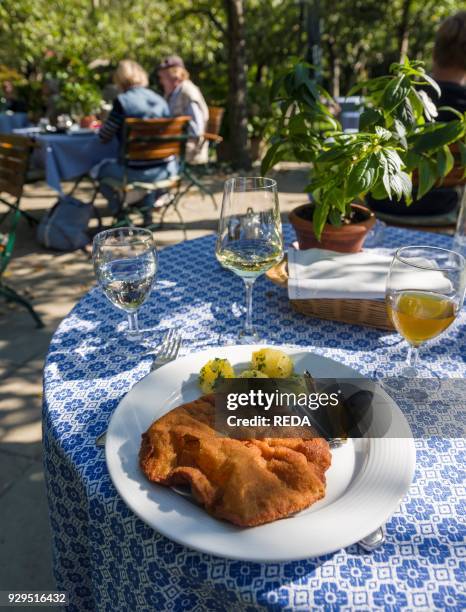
246, 482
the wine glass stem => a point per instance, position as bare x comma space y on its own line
248, 328
413, 353
133, 324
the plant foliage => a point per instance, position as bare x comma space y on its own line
399, 137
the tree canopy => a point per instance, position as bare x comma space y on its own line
80, 41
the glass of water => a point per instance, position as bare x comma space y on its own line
125, 264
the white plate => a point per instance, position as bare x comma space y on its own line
365, 483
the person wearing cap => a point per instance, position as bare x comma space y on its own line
185, 98
134, 100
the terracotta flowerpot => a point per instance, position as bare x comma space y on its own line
344, 239
87, 121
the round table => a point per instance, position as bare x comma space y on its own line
108, 559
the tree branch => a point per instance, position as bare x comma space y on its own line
202, 11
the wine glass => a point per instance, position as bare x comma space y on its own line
425, 292
125, 264
249, 240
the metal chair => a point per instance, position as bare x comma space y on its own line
15, 152
194, 173
147, 140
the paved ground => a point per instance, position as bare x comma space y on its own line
55, 282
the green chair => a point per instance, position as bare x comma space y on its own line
150, 140
15, 152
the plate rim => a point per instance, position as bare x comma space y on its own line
409, 464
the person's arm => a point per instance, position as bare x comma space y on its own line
113, 123
197, 124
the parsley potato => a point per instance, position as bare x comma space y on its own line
252, 374
273, 362
213, 372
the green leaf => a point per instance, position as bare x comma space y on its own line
297, 124
450, 109
395, 92
394, 160
462, 148
319, 218
270, 158
432, 83
379, 192
427, 177
401, 132
406, 185
369, 118
332, 154
396, 185
444, 134
383, 133
405, 113
430, 110
416, 104
385, 172
275, 88
361, 176
334, 217
445, 161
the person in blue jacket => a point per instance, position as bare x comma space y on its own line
138, 101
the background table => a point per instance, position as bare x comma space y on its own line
109, 560
11, 121
69, 156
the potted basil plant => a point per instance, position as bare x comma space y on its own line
399, 141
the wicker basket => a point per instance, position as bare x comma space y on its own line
372, 313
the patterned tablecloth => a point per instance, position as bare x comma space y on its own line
107, 559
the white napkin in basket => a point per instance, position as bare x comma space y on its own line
320, 274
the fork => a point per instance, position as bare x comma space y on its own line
168, 351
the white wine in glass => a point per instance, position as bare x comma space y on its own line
249, 240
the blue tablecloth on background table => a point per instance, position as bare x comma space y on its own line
69, 156
108, 559
12, 121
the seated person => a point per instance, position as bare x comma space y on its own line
449, 65
10, 99
449, 70
185, 98
50, 100
135, 100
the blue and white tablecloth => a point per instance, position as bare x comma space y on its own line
107, 559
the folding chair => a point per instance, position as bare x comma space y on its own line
150, 140
15, 152
194, 173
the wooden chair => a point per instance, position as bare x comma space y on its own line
15, 153
212, 133
195, 172
147, 140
